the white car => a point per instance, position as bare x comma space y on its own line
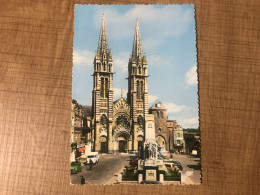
94, 156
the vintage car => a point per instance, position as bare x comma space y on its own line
94, 156
172, 163
75, 167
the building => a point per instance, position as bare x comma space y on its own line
80, 131
169, 134
118, 126
76, 122
192, 140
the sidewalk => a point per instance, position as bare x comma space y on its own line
113, 179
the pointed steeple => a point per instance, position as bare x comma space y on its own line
103, 44
137, 47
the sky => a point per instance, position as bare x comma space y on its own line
168, 38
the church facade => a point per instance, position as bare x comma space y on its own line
118, 126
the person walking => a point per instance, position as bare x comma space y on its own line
90, 164
82, 180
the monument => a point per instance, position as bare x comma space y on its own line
150, 167
150, 164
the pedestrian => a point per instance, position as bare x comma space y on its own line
90, 164
82, 180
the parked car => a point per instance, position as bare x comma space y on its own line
172, 163
94, 156
75, 167
150, 182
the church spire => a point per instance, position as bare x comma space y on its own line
103, 44
137, 48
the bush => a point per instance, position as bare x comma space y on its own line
172, 151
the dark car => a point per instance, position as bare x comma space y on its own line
177, 163
150, 182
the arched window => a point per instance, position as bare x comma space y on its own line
157, 114
122, 120
102, 87
134, 70
103, 120
104, 66
141, 90
98, 65
161, 114
106, 88
109, 67
138, 89
139, 70
140, 120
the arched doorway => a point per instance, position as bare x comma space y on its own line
161, 141
122, 143
103, 144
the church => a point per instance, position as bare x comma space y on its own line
118, 126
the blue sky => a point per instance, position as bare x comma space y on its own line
168, 39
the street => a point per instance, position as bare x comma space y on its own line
106, 168
109, 166
190, 163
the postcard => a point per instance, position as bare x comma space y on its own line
134, 112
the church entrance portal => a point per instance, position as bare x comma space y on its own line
103, 144
122, 142
122, 146
103, 147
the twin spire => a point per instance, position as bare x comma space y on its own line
103, 43
137, 47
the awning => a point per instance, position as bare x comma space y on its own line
82, 149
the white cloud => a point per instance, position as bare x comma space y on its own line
150, 43
83, 57
185, 119
155, 60
152, 98
155, 22
121, 62
191, 122
191, 76
173, 108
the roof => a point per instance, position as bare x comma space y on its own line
120, 99
158, 106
